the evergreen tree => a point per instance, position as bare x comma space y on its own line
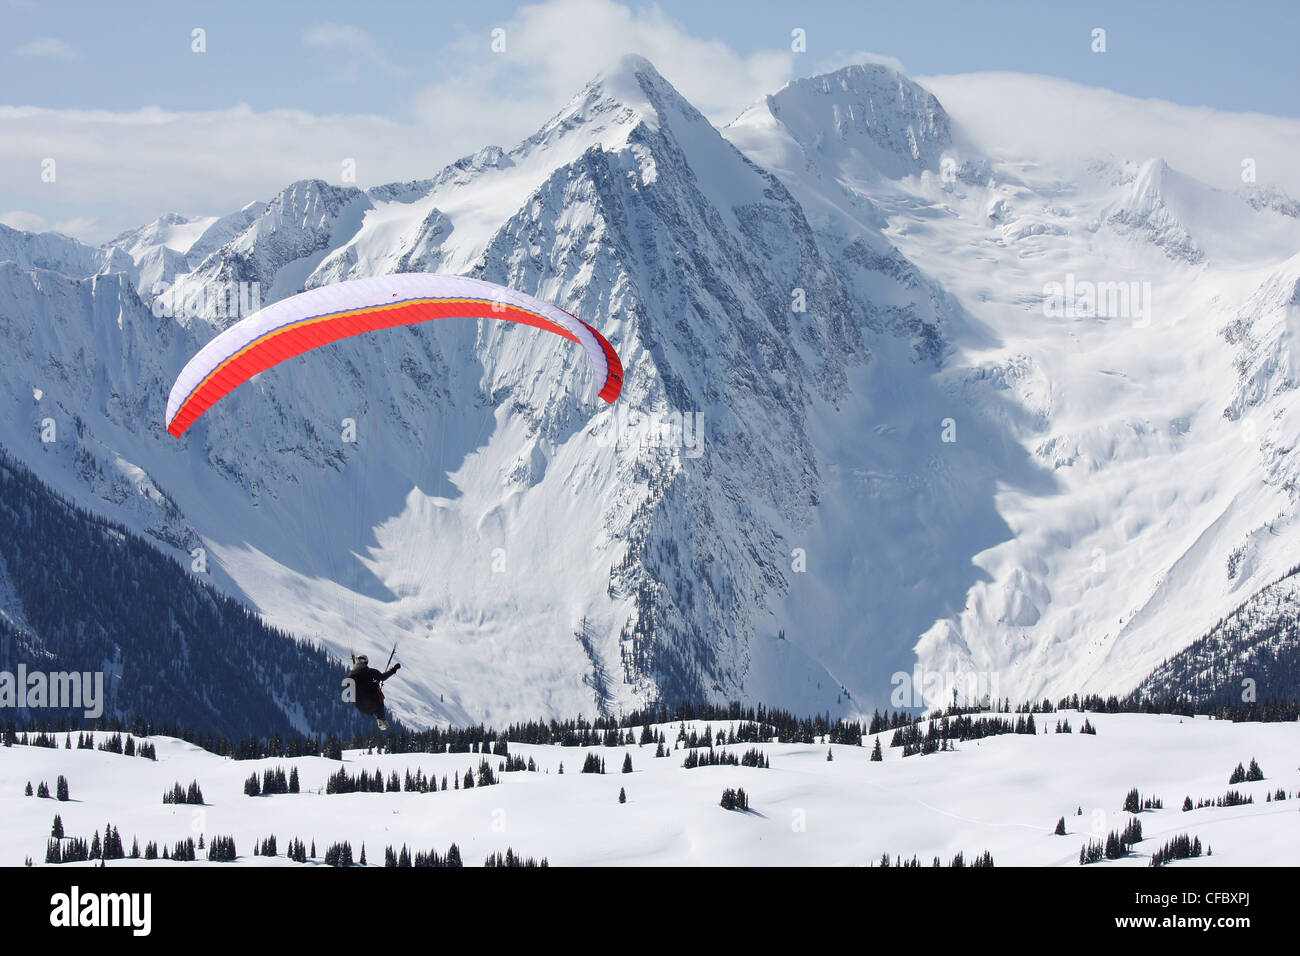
1060, 827
622, 795
875, 751
1133, 802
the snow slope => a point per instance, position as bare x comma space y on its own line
804, 809
1136, 435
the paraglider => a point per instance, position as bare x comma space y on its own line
320, 316
367, 695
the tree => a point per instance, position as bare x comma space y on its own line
57, 830
1060, 827
622, 795
62, 789
875, 751
627, 763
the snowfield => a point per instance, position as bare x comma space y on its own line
1001, 794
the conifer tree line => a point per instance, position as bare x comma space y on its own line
85, 741
1242, 775
734, 799
1118, 844
274, 780
339, 854
1180, 847
1135, 803
756, 724
1233, 798
366, 782
178, 794
983, 860
512, 859
428, 858
221, 849
42, 791
753, 757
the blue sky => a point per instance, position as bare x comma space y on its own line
284, 90
1238, 56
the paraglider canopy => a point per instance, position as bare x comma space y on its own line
320, 316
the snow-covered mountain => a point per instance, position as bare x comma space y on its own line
1251, 656
893, 398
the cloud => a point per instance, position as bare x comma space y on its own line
51, 48
126, 168
552, 49
840, 59
24, 220
351, 50
130, 167
1068, 124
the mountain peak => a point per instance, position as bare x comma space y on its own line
628, 94
867, 109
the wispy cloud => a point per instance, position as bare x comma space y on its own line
134, 165
351, 48
551, 49
51, 48
31, 222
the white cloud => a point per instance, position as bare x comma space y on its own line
24, 220
46, 48
554, 48
351, 49
855, 58
129, 167
1068, 124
